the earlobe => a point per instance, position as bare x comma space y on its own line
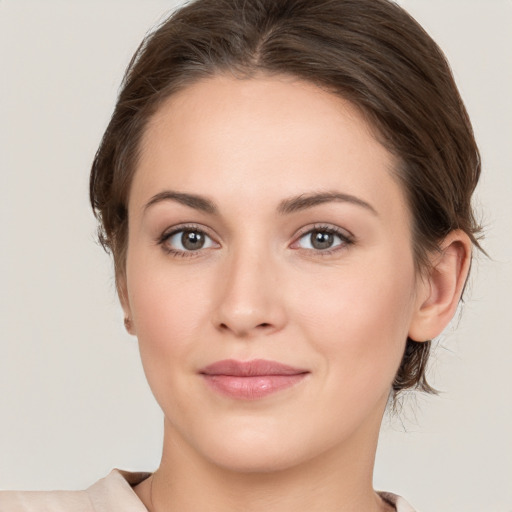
442, 287
122, 292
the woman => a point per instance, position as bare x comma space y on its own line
285, 188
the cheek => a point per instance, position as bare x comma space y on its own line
359, 319
169, 310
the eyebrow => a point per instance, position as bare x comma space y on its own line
287, 206
304, 201
192, 200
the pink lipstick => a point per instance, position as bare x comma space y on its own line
250, 380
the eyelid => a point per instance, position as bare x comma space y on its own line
187, 226
320, 226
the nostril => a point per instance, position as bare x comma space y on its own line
241, 331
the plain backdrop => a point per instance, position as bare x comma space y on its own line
73, 398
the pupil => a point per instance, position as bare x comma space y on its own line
192, 240
321, 239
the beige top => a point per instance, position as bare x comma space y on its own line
113, 493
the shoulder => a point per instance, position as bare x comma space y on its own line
106, 495
43, 501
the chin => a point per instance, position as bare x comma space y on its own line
260, 457
241, 448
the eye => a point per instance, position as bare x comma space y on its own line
325, 239
186, 240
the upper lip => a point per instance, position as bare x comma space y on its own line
251, 368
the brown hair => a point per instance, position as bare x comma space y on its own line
370, 52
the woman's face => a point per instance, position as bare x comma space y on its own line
265, 224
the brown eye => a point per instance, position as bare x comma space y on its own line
192, 240
321, 239
324, 239
187, 240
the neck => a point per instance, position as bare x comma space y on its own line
339, 480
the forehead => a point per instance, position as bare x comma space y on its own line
280, 136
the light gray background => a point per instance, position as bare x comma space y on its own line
73, 398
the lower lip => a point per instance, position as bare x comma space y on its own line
254, 387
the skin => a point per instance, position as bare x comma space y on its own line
259, 289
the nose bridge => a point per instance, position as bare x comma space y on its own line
249, 301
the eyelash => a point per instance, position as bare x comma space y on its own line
346, 238
176, 253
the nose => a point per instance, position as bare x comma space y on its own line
250, 301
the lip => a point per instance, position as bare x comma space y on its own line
251, 380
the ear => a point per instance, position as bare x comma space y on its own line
122, 291
442, 287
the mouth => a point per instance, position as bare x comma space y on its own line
251, 380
